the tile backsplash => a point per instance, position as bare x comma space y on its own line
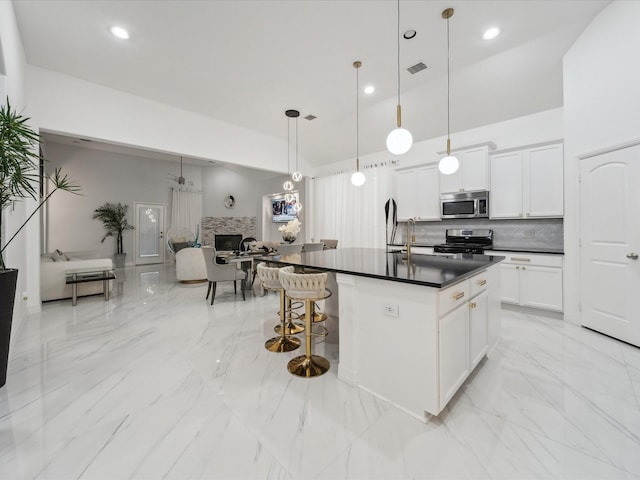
540, 233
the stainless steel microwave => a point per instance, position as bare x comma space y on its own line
464, 204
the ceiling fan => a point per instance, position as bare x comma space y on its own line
180, 180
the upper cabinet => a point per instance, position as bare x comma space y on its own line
473, 173
527, 182
417, 193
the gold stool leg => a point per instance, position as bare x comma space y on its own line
291, 328
283, 343
308, 365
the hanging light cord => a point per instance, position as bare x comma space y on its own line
288, 144
296, 124
357, 120
448, 88
399, 115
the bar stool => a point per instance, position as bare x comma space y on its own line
309, 288
270, 279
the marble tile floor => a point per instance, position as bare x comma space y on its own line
158, 384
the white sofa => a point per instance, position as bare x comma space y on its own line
190, 265
53, 274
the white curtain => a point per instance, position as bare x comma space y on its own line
353, 215
186, 208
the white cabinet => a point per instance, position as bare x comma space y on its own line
527, 183
418, 194
473, 173
454, 351
463, 332
531, 280
478, 328
406, 194
428, 193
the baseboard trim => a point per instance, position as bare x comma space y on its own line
533, 311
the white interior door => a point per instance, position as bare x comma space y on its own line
150, 246
610, 243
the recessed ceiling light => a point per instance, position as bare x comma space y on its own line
409, 34
491, 33
120, 32
369, 89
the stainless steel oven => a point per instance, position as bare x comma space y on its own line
465, 204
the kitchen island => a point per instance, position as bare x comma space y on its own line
411, 327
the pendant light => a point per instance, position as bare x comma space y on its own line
288, 184
358, 178
399, 141
181, 179
296, 176
450, 163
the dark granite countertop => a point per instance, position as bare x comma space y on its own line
553, 251
528, 250
429, 270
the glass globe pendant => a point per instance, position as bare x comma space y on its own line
358, 179
288, 185
399, 141
449, 164
296, 176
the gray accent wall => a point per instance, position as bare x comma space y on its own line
545, 234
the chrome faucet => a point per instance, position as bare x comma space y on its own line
411, 235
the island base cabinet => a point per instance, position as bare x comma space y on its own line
454, 352
413, 345
478, 328
391, 355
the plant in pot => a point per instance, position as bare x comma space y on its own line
114, 218
19, 179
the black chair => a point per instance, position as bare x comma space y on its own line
245, 243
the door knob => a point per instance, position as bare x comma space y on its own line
632, 256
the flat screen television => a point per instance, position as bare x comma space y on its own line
283, 211
227, 243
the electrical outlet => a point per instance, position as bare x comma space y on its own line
390, 310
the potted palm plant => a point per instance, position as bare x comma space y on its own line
114, 218
19, 179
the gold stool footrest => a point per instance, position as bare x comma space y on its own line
282, 344
290, 329
307, 367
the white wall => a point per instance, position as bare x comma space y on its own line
602, 109
527, 130
105, 177
64, 104
17, 255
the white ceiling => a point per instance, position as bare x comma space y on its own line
246, 62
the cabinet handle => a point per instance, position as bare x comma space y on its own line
520, 259
458, 296
482, 282
523, 268
472, 305
517, 268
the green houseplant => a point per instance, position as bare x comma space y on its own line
114, 218
19, 179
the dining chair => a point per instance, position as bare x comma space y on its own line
313, 247
221, 273
289, 248
328, 243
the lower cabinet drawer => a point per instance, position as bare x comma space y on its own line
451, 297
478, 284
